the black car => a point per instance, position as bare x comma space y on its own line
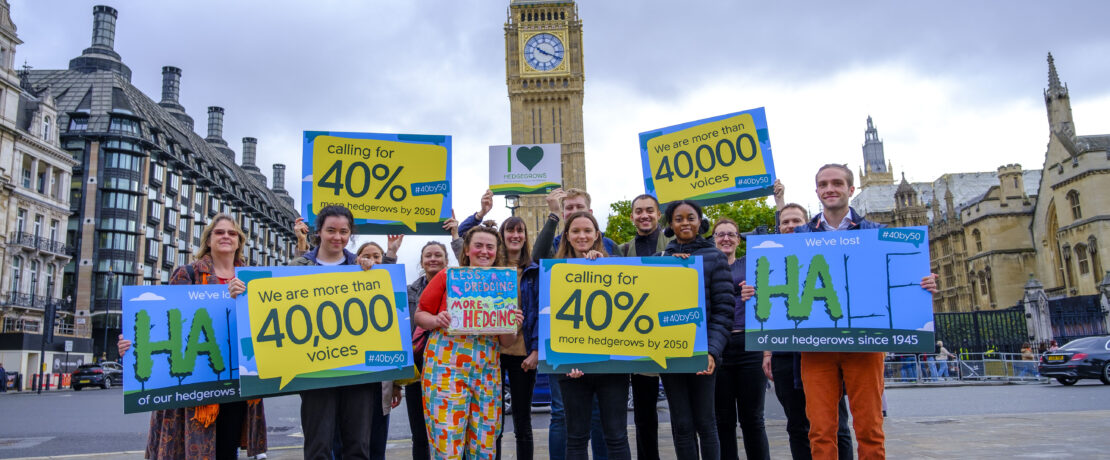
1087, 358
102, 375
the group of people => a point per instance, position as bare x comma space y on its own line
454, 406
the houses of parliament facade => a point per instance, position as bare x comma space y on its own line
993, 234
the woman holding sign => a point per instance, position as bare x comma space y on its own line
741, 385
214, 430
462, 373
691, 396
433, 259
581, 238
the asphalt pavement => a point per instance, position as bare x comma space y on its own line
990, 421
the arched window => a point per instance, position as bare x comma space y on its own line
46, 128
978, 240
1073, 201
1081, 259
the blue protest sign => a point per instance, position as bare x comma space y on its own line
840, 291
183, 352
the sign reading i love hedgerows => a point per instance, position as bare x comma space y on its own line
525, 169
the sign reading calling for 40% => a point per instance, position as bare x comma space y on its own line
393, 179
625, 310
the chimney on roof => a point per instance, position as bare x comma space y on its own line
216, 125
279, 178
171, 84
104, 27
250, 151
101, 55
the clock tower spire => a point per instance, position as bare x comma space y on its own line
544, 75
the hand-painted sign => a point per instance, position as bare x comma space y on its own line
714, 160
392, 183
481, 300
183, 350
525, 169
622, 314
854, 290
302, 328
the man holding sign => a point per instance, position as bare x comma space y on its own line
824, 374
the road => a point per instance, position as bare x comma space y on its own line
91, 421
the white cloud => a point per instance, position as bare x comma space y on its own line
767, 244
147, 296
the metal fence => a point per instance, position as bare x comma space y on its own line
925, 368
1000, 330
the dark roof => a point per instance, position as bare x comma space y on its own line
101, 94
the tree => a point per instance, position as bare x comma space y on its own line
748, 214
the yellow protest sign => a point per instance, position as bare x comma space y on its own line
629, 310
386, 180
309, 323
715, 160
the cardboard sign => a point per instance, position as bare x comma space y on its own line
525, 169
392, 183
481, 300
856, 290
622, 314
183, 350
714, 160
302, 328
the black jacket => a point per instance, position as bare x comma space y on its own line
719, 292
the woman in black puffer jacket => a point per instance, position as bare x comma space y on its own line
690, 396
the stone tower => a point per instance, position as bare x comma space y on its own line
544, 75
908, 209
876, 171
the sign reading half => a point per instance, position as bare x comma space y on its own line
714, 160
525, 169
392, 183
840, 291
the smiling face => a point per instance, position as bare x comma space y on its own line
371, 252
685, 223
514, 238
833, 189
432, 259
790, 218
727, 237
482, 250
335, 233
645, 215
581, 234
573, 205
224, 238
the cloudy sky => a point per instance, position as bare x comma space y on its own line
952, 85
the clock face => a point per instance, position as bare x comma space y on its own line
543, 52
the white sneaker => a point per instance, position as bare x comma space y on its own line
260, 456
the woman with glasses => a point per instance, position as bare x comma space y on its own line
741, 383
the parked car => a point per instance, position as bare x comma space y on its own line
1087, 358
102, 375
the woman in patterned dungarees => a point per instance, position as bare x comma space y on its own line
462, 373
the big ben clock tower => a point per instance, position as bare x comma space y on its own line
543, 70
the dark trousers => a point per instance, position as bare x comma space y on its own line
414, 403
229, 429
645, 398
557, 431
611, 391
690, 398
740, 394
793, 402
379, 424
350, 406
521, 384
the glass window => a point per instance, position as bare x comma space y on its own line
38, 226
118, 200
40, 181
46, 122
1081, 259
21, 220
124, 125
17, 273
78, 123
1073, 200
53, 230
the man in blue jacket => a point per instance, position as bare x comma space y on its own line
860, 374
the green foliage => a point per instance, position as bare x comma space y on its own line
748, 214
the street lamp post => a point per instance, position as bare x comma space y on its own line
512, 202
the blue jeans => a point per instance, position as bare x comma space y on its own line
610, 391
557, 430
693, 421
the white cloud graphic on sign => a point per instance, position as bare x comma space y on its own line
147, 296
927, 327
767, 244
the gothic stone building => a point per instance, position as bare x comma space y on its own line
990, 231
